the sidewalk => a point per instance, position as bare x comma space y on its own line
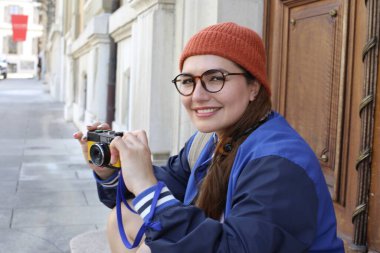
47, 193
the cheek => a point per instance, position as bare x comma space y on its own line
185, 102
237, 103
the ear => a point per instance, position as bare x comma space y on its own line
254, 90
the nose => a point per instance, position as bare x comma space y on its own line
199, 92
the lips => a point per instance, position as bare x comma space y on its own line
205, 111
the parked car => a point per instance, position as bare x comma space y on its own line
3, 68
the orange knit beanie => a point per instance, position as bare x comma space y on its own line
234, 42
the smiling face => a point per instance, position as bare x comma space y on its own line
216, 112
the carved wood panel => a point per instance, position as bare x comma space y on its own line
308, 77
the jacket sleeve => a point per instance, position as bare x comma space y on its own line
274, 209
175, 174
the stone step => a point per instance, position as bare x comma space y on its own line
90, 242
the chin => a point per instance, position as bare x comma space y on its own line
205, 128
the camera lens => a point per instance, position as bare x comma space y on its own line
100, 154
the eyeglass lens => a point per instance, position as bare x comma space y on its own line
212, 81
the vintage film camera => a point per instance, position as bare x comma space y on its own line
98, 142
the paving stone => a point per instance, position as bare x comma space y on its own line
5, 218
58, 216
46, 150
54, 158
85, 174
16, 241
43, 199
9, 173
92, 198
90, 242
12, 151
57, 185
46, 171
59, 236
8, 186
10, 160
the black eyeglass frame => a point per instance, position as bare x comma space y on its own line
224, 74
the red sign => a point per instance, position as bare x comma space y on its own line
19, 25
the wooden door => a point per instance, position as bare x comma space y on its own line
307, 77
316, 72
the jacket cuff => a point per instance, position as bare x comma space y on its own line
143, 202
110, 182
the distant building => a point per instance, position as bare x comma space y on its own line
22, 57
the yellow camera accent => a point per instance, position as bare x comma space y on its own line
89, 144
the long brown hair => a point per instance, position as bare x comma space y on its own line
212, 193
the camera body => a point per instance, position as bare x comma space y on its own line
98, 153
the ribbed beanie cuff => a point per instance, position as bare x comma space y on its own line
234, 42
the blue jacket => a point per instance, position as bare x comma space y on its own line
277, 199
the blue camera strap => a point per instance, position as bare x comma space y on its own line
120, 198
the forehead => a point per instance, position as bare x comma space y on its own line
197, 64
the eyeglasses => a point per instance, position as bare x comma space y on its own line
212, 81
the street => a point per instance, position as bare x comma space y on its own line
48, 194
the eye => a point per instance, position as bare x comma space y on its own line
213, 77
186, 81
216, 78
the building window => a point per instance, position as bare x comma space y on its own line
27, 65
13, 47
11, 10
12, 67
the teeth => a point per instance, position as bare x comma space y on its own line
206, 110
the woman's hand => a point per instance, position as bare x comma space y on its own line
102, 172
136, 161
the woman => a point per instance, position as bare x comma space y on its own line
256, 186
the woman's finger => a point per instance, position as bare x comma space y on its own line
117, 145
104, 126
129, 138
93, 126
114, 152
141, 136
80, 137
